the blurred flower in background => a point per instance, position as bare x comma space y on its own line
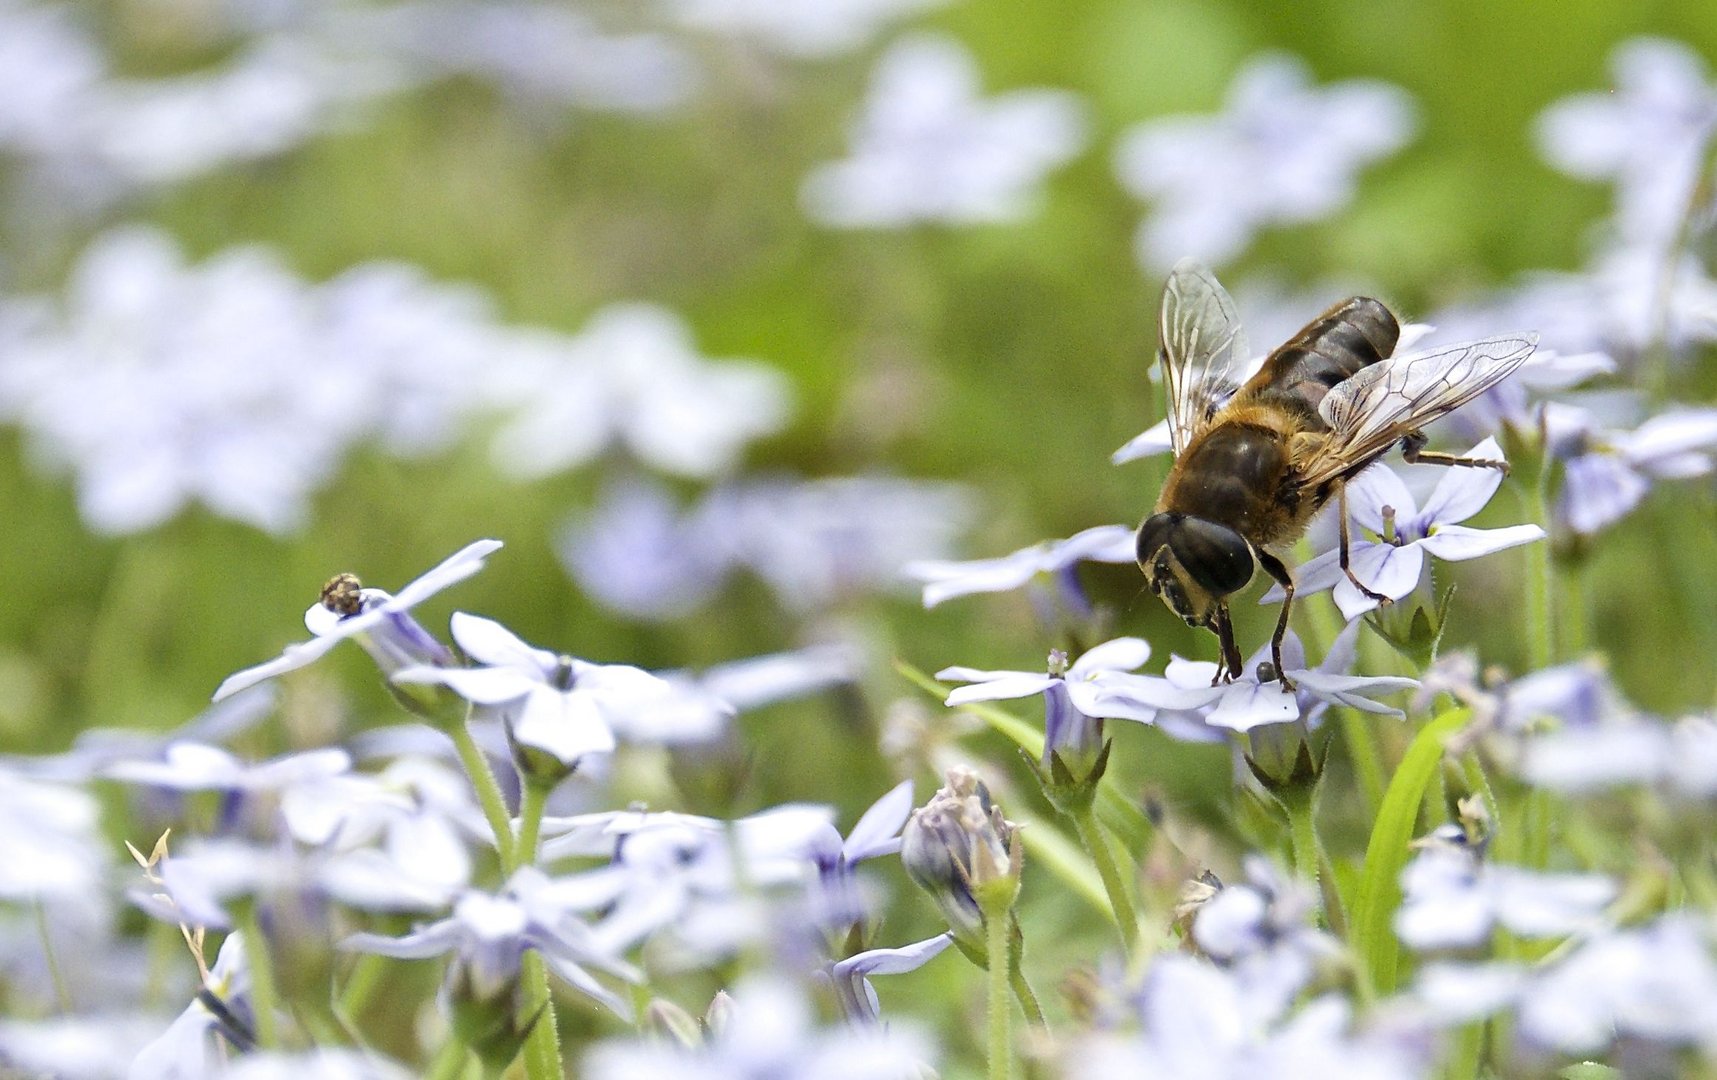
1282, 152
928, 149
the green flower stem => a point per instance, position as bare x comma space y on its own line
488, 791
1466, 1053
1302, 826
997, 927
1024, 995
263, 997
1361, 742
450, 1063
1539, 617
542, 1046
1572, 626
1097, 846
361, 985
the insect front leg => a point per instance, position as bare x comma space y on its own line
1413, 452
1276, 569
1346, 568
1229, 667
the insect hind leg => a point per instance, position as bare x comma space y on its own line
1276, 569
1414, 453
1343, 556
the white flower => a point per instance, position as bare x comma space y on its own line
698, 877
565, 706
634, 378
927, 148
1452, 898
1606, 473
1650, 134
54, 850
770, 1032
489, 933
383, 624
1283, 152
944, 580
815, 542
1392, 564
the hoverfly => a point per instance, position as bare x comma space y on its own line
1254, 463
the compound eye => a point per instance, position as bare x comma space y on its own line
1214, 556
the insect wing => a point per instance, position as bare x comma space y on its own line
1381, 403
1203, 349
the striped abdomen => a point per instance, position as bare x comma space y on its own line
1333, 347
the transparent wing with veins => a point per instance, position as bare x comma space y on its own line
1370, 411
1203, 350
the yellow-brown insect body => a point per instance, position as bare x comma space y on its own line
1241, 471
1255, 462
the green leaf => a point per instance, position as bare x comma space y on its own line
1386, 853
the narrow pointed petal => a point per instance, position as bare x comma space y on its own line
1017, 685
1454, 543
878, 831
1463, 492
1121, 654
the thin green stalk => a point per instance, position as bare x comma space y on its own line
1302, 827
1539, 618
1356, 732
1024, 994
1572, 626
1001, 1016
263, 997
361, 985
62, 994
488, 791
542, 1046
1120, 901
1466, 1053
531, 806
450, 1063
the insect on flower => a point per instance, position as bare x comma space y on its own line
1255, 462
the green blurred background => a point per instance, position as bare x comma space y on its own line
1010, 357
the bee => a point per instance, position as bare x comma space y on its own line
1254, 462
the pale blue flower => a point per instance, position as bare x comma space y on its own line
1454, 898
489, 932
816, 543
564, 706
1650, 135
851, 977
770, 1034
1072, 695
1606, 473
701, 879
929, 149
1197, 1022
944, 580
188, 1047
634, 378
837, 900
383, 625
1187, 700
1283, 152
1393, 562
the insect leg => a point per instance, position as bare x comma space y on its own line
1275, 568
1413, 452
1228, 669
1341, 509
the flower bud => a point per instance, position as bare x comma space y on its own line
961, 850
